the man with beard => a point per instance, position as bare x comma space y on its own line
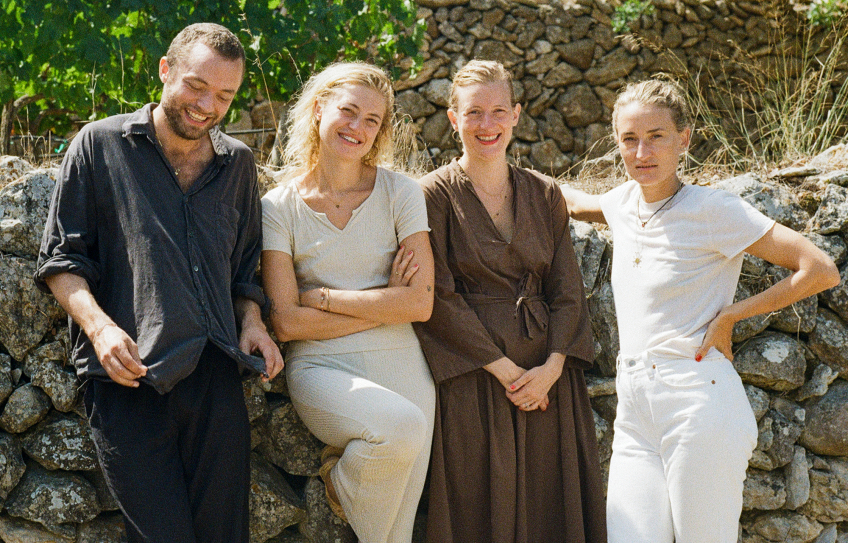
151, 245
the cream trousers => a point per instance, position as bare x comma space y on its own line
684, 432
379, 406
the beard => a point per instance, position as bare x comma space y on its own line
174, 116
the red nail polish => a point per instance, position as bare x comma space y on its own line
512, 387
698, 358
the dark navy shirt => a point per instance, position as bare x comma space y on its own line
165, 265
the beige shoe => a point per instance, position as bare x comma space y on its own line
329, 458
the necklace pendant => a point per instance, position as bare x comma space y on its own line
637, 260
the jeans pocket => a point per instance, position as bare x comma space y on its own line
685, 373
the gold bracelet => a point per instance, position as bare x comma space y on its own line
325, 297
328, 298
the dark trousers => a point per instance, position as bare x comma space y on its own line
179, 463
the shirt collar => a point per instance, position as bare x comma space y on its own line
140, 123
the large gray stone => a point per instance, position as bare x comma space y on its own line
818, 383
26, 406
752, 326
763, 490
103, 529
828, 490
832, 215
414, 104
759, 400
797, 477
615, 65
579, 106
53, 497
547, 158
779, 429
273, 504
774, 201
12, 465
254, 398
18, 530
786, 527
61, 442
26, 313
772, 361
12, 168
23, 212
562, 75
826, 431
288, 443
321, 524
437, 91
527, 129
604, 327
578, 52
47, 369
829, 339
837, 297
590, 248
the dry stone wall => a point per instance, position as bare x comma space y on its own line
568, 66
794, 364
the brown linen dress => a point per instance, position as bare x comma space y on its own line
498, 474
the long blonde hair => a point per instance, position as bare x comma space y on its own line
301, 150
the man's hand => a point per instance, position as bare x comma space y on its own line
118, 354
255, 339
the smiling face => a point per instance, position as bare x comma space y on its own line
650, 146
349, 121
198, 92
484, 118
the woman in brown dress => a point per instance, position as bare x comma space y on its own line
514, 455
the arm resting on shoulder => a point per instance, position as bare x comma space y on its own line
117, 352
583, 206
812, 272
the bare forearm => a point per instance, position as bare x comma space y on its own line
583, 206
391, 305
801, 284
299, 323
73, 294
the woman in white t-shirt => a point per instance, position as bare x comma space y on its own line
684, 429
340, 236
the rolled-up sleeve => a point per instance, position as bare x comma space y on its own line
70, 234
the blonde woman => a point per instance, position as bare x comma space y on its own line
339, 239
684, 429
514, 458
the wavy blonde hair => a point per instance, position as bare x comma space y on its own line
655, 92
303, 143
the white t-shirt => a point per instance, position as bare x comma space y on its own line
671, 277
357, 257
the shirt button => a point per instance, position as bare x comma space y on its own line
196, 268
654, 366
630, 363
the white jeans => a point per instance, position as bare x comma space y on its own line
684, 432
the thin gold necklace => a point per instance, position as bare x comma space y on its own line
637, 257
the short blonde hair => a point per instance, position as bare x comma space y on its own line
303, 142
654, 92
477, 72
